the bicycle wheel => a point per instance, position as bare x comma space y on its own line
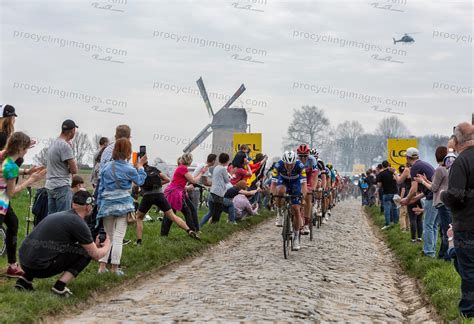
311, 217
3, 237
286, 235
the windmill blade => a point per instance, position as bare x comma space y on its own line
204, 96
201, 137
234, 97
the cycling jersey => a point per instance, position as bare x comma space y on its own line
291, 181
321, 168
298, 173
311, 167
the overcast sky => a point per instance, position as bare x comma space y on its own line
135, 57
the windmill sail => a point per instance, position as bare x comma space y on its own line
201, 137
204, 96
234, 97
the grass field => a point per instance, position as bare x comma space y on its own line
20, 307
439, 278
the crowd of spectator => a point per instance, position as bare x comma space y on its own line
79, 225
433, 203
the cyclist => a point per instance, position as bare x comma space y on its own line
327, 193
289, 176
311, 167
321, 185
331, 188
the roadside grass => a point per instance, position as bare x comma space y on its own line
440, 280
156, 251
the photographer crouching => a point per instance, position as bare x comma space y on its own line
61, 243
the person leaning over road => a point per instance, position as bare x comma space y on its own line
459, 198
195, 193
386, 181
220, 179
17, 146
439, 183
241, 203
177, 197
115, 200
152, 192
61, 243
430, 224
60, 164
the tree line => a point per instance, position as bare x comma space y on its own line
347, 143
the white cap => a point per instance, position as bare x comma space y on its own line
412, 152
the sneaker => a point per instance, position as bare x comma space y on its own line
15, 271
279, 221
102, 271
126, 242
296, 242
385, 227
194, 235
305, 230
329, 213
62, 293
413, 241
24, 285
325, 220
419, 239
119, 273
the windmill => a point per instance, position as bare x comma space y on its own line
225, 122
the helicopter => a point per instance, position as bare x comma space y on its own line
405, 39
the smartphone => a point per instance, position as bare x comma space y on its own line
102, 237
142, 151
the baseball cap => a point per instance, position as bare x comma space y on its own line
68, 124
82, 197
8, 111
412, 152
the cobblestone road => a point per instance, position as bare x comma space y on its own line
346, 274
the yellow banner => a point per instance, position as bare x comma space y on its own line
397, 149
357, 169
253, 140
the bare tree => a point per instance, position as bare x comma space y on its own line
347, 134
392, 127
81, 148
308, 126
41, 157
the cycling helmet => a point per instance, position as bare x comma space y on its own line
314, 153
329, 165
302, 149
289, 157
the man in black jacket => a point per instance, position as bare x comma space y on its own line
460, 199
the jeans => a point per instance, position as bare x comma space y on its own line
444, 215
115, 227
230, 209
59, 199
464, 244
390, 209
430, 229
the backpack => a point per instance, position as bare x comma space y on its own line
153, 180
363, 184
40, 205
